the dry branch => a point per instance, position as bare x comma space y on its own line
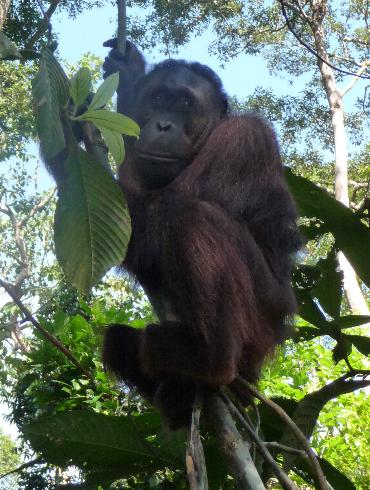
62, 348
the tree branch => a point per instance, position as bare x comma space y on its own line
62, 348
122, 27
235, 449
38, 207
4, 6
44, 24
285, 482
353, 82
195, 463
312, 51
320, 477
286, 449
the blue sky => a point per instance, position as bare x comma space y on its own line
88, 32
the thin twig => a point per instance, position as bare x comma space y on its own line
312, 51
39, 206
361, 70
44, 25
195, 462
122, 27
323, 485
283, 478
286, 449
62, 348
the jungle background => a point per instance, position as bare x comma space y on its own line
319, 107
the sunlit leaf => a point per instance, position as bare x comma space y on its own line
111, 120
80, 86
105, 92
114, 142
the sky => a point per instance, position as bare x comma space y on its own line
90, 30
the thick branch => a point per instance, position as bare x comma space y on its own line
4, 6
122, 27
195, 462
308, 410
285, 482
236, 451
62, 348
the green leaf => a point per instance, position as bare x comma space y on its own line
80, 86
111, 120
106, 447
92, 440
92, 225
361, 342
350, 321
115, 144
328, 289
351, 235
309, 311
50, 90
105, 92
342, 350
8, 50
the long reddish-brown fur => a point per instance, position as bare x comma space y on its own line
216, 244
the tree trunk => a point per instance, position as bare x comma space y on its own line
352, 289
4, 6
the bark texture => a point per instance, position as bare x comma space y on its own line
351, 286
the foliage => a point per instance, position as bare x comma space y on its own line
16, 117
100, 219
25, 18
9, 460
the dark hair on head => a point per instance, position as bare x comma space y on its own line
201, 70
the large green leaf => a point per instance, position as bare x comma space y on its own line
93, 440
351, 235
350, 321
309, 311
111, 120
106, 447
114, 142
50, 90
92, 224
